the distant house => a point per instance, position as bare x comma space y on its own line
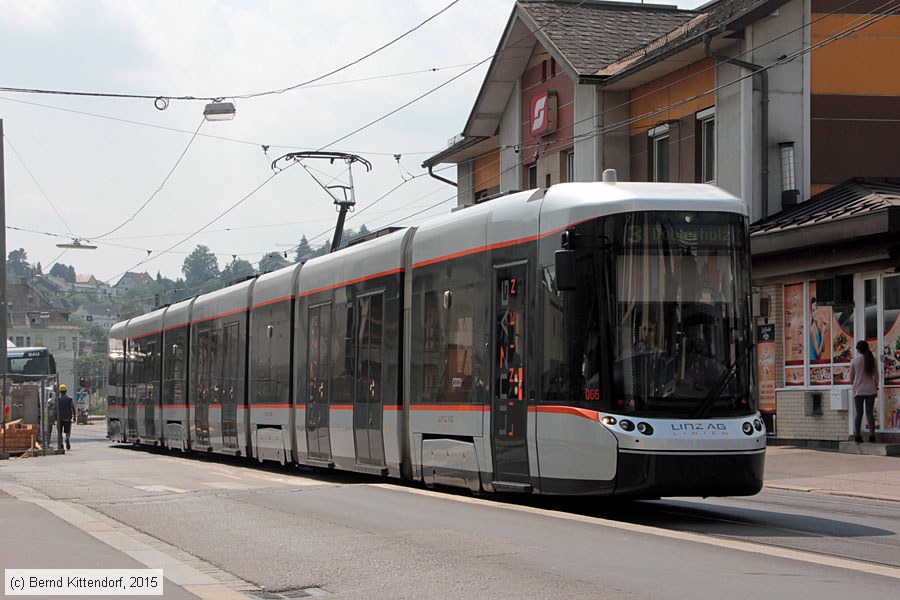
130, 280
90, 284
86, 281
104, 315
33, 321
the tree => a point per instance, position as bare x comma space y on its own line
237, 269
17, 264
271, 261
303, 250
64, 272
201, 269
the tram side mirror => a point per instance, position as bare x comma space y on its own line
565, 270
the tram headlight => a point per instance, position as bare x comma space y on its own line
607, 420
757, 424
645, 428
747, 428
626, 425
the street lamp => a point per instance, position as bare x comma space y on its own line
76, 244
219, 111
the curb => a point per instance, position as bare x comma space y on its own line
829, 492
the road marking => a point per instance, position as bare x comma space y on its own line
160, 488
798, 555
128, 541
227, 485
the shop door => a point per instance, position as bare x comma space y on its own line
509, 408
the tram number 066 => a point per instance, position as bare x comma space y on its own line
591, 394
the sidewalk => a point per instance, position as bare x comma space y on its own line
836, 473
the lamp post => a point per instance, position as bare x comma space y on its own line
3, 317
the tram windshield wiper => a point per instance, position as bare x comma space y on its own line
707, 403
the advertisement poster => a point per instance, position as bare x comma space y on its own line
794, 376
820, 375
819, 328
793, 327
765, 365
892, 348
892, 408
842, 340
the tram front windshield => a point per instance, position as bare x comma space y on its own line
659, 323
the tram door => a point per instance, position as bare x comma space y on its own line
318, 439
368, 402
509, 408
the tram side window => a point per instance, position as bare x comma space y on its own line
174, 364
151, 374
371, 343
448, 353
319, 344
200, 375
262, 357
280, 357
343, 372
231, 382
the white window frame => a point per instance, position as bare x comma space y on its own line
658, 136
707, 118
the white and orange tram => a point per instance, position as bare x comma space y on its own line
591, 338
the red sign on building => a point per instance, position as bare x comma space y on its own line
543, 113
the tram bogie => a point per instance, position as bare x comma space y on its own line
446, 354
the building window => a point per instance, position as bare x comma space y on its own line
62, 343
570, 165
706, 131
20, 340
659, 150
532, 177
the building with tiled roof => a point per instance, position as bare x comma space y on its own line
33, 321
791, 105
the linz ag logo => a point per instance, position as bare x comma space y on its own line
698, 429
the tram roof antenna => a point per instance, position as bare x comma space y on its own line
343, 203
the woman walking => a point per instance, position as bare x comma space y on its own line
864, 375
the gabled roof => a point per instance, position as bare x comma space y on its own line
24, 302
138, 278
684, 44
581, 36
591, 35
855, 209
85, 279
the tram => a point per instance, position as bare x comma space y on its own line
590, 338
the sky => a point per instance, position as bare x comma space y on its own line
137, 182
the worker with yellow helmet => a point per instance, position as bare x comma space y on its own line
66, 408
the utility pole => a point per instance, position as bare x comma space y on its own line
3, 317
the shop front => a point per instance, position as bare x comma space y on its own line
826, 275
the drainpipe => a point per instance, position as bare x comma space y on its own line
764, 116
439, 178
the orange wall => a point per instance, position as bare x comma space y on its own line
864, 63
684, 83
487, 171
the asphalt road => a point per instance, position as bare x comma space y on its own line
283, 530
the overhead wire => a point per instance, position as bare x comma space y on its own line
158, 189
34, 179
169, 97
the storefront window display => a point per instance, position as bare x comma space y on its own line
891, 352
816, 339
819, 341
